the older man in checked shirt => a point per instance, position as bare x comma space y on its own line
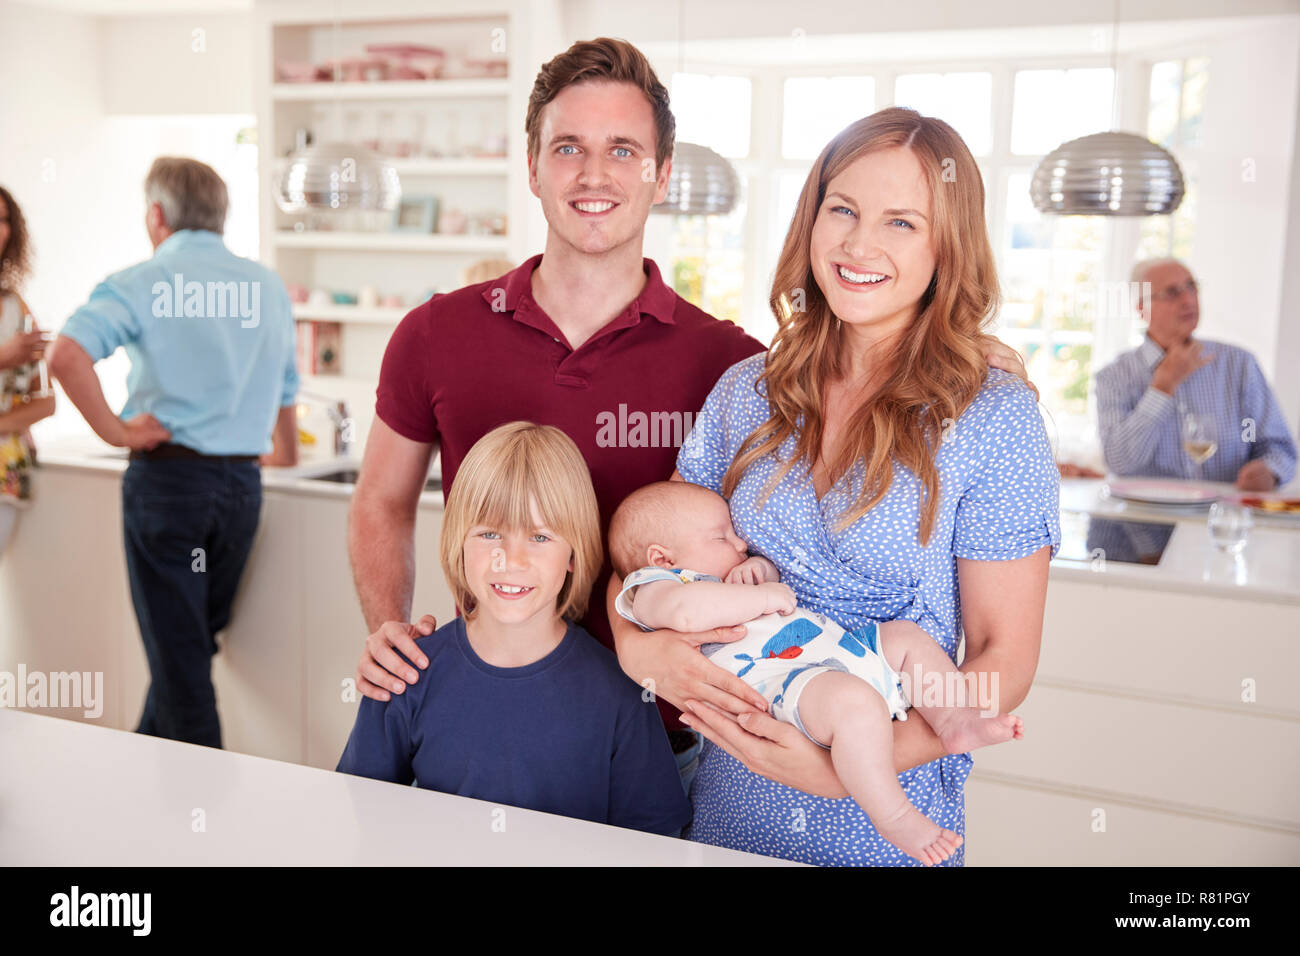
1144, 394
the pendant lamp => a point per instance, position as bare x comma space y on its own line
336, 176
1108, 174
702, 182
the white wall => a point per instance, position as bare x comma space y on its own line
642, 21
1287, 381
195, 63
80, 128
1243, 209
51, 125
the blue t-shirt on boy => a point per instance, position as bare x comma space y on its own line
567, 734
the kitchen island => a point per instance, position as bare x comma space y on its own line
285, 673
77, 795
1163, 725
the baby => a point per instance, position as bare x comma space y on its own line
685, 569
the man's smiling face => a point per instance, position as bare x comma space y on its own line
594, 171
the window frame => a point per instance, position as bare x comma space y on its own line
765, 165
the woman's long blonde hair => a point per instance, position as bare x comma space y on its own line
936, 366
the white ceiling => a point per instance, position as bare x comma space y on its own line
136, 8
814, 47
1071, 40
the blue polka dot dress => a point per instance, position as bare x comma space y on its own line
998, 501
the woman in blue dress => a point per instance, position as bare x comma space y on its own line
885, 469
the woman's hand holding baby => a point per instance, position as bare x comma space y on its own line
768, 747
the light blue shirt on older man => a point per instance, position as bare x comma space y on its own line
211, 340
1141, 426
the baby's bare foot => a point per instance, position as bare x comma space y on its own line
968, 730
918, 836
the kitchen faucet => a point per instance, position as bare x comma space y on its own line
337, 410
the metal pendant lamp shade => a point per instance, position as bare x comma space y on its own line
702, 183
1107, 174
337, 176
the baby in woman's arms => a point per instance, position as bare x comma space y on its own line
684, 568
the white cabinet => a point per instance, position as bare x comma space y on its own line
296, 630
1162, 728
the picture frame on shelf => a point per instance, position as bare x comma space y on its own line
416, 214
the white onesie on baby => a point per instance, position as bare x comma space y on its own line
779, 654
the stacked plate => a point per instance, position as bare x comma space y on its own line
1164, 491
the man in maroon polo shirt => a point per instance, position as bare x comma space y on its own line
586, 337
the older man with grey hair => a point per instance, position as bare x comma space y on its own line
210, 337
1146, 395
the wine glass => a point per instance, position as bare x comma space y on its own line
1198, 439
28, 325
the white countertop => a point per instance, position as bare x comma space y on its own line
91, 454
78, 795
1268, 569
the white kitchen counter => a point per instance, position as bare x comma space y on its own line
1268, 569
78, 795
91, 454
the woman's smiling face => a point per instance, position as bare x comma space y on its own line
872, 242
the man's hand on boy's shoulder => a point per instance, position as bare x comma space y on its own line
381, 669
754, 570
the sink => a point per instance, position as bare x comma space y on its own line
348, 476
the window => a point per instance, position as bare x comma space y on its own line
1053, 268
788, 186
1051, 107
962, 100
1045, 263
707, 257
1174, 121
815, 108
1058, 274
713, 111
708, 262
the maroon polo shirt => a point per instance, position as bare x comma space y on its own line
465, 362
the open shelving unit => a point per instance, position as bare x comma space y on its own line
458, 138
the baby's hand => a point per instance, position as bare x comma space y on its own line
779, 598
755, 570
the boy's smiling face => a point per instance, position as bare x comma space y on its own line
516, 575
703, 539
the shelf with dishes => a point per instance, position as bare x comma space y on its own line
391, 242
390, 90
375, 315
437, 167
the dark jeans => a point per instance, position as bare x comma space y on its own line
182, 596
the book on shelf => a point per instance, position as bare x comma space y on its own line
319, 346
